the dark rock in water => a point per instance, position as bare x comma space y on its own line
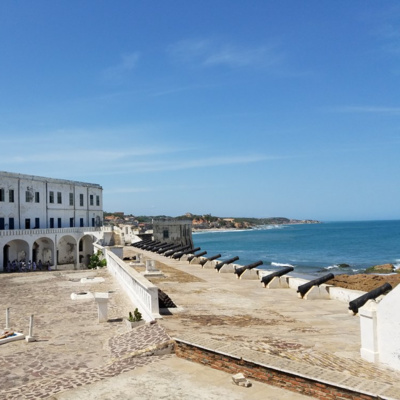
343, 265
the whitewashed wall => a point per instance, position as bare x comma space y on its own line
388, 329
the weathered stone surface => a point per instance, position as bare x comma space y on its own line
381, 268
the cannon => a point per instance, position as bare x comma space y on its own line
141, 243
303, 289
151, 245
189, 251
210, 259
357, 303
226, 262
165, 248
172, 250
157, 246
239, 271
196, 255
268, 278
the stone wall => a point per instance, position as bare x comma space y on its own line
173, 231
279, 378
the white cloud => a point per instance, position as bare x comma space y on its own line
368, 110
117, 73
210, 53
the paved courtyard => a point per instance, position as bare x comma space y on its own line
76, 357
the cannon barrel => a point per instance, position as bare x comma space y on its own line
178, 253
141, 243
192, 250
189, 251
303, 289
157, 246
357, 303
239, 271
210, 259
149, 244
226, 262
165, 248
172, 250
268, 278
196, 255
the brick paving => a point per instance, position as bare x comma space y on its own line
72, 348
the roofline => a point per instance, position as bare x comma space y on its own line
42, 178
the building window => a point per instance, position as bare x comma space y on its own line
37, 223
71, 199
51, 197
165, 234
81, 200
11, 196
11, 223
59, 197
28, 196
27, 223
91, 199
92, 221
51, 223
81, 222
1, 194
59, 222
1, 224
97, 200
37, 197
81, 245
71, 222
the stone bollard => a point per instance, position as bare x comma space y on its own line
30, 337
102, 300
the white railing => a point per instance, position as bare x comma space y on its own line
27, 232
142, 293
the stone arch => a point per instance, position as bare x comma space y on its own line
17, 250
66, 251
86, 249
43, 250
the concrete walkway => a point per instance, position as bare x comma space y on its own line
318, 334
77, 357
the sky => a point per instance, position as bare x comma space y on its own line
261, 108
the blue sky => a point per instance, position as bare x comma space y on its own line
262, 108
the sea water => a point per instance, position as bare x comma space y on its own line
309, 248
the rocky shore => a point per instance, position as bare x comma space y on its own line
365, 282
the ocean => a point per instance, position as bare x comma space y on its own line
311, 249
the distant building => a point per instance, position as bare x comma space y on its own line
46, 219
173, 231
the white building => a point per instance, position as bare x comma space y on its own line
52, 220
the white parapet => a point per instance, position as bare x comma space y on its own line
388, 329
227, 269
210, 264
142, 293
317, 293
252, 274
368, 326
279, 282
197, 260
